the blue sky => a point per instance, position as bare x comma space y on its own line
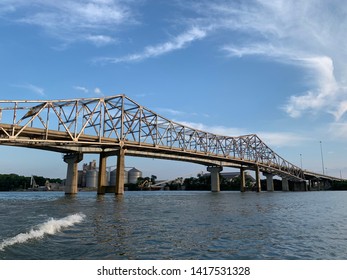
275, 68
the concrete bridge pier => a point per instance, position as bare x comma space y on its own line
269, 181
257, 179
215, 184
102, 178
243, 180
319, 185
306, 186
120, 172
300, 186
72, 161
309, 185
285, 185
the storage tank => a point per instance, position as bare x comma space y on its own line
92, 179
81, 179
113, 177
126, 176
134, 174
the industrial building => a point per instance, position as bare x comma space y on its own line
88, 176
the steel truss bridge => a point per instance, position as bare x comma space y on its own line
118, 125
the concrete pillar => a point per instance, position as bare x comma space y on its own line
214, 170
285, 185
102, 179
319, 185
120, 172
72, 161
257, 179
269, 181
243, 180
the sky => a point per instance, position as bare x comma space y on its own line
271, 67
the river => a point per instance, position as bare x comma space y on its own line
164, 225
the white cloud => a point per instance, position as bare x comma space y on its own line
179, 42
67, 20
308, 34
100, 40
323, 96
98, 92
83, 89
33, 88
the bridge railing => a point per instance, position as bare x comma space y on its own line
120, 120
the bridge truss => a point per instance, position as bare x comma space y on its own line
97, 125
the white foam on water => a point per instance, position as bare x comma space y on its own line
50, 227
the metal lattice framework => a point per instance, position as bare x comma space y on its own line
107, 124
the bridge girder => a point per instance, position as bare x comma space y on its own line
107, 124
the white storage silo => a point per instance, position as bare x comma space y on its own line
92, 179
134, 174
113, 177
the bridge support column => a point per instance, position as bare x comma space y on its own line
285, 185
72, 161
269, 182
214, 170
120, 172
319, 185
257, 179
102, 179
300, 186
243, 180
309, 185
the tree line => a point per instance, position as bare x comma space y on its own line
14, 182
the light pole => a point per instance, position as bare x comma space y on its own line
321, 153
301, 161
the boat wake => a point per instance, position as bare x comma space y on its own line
50, 227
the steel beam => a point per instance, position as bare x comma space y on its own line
106, 124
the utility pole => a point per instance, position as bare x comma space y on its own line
301, 161
321, 153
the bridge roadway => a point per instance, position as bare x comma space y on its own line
119, 126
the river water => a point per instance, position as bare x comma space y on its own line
174, 225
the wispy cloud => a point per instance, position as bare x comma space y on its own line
100, 40
83, 89
98, 92
309, 35
176, 43
325, 93
33, 88
79, 20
